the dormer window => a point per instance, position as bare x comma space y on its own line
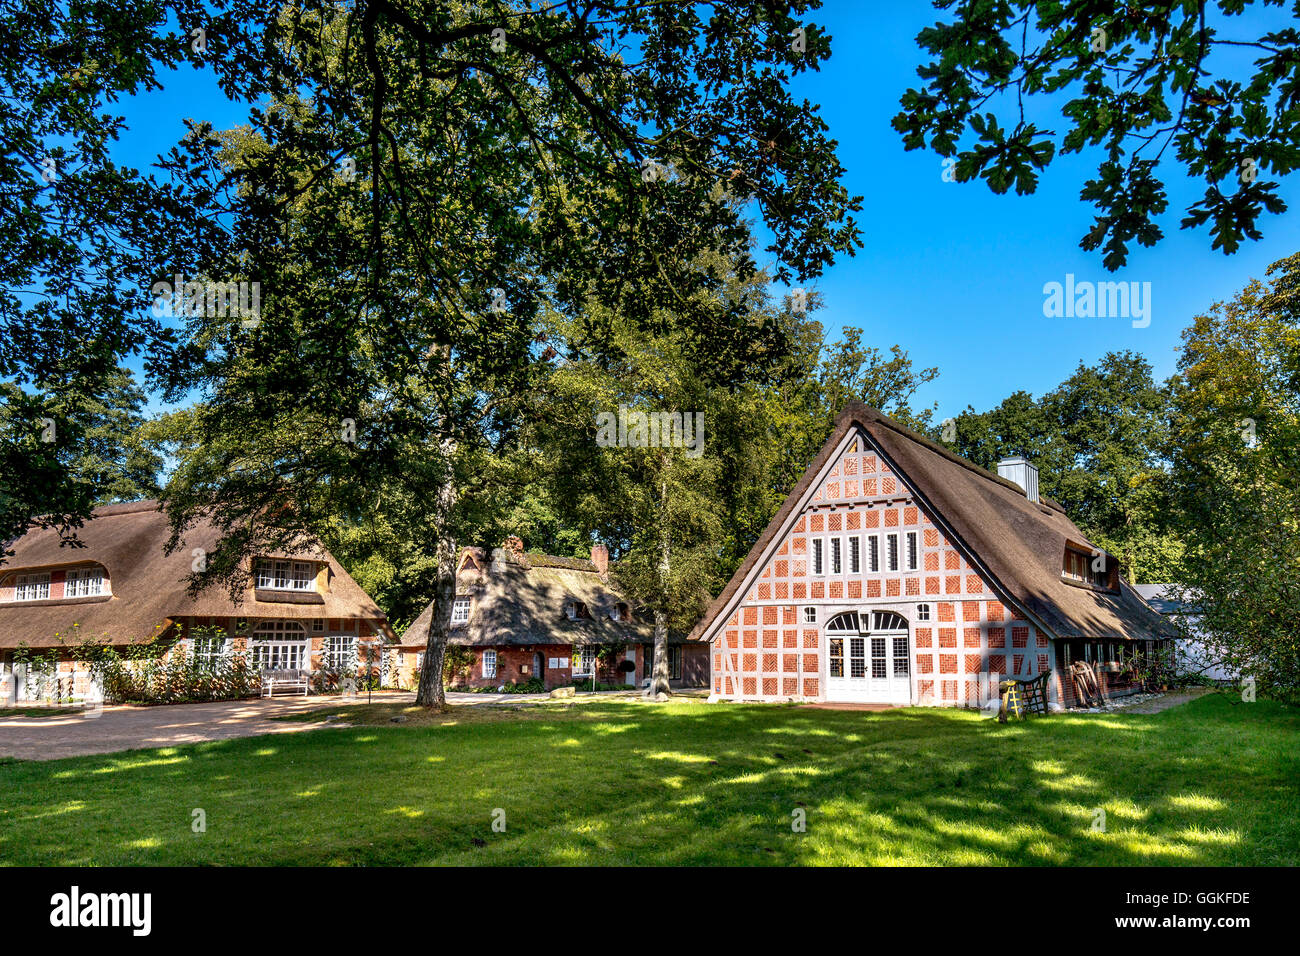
83, 582
460, 611
32, 587
575, 610
1094, 569
619, 612
285, 575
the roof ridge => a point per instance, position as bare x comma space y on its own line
127, 507
878, 417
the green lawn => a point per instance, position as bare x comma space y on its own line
607, 782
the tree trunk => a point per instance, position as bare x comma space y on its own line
659, 678
430, 692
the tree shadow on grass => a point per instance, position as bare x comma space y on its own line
687, 784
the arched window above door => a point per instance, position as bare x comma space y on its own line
888, 621
847, 621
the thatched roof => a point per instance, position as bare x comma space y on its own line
1017, 544
149, 586
520, 598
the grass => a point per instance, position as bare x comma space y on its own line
26, 712
622, 782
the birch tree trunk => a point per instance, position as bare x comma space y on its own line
430, 692
659, 679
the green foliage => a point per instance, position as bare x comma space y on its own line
166, 673
1236, 472
457, 663
1131, 81
1101, 441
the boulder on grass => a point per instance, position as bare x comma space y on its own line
563, 692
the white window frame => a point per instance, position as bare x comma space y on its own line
855, 554
584, 661
209, 650
923, 612
460, 610
836, 551
810, 614
32, 587
83, 582
273, 641
489, 664
339, 651
276, 574
891, 551
913, 551
873, 553
818, 557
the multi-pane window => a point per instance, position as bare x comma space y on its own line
280, 645
340, 651
911, 550
810, 615
285, 575
878, 662
836, 549
891, 551
857, 657
32, 587
855, 554
489, 664
208, 651
83, 582
1088, 568
817, 556
900, 657
584, 661
923, 612
837, 657
873, 553
460, 610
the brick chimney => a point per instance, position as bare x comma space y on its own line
600, 558
515, 545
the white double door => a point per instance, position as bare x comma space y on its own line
868, 664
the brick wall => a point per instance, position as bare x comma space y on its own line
767, 651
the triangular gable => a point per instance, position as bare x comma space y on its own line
827, 481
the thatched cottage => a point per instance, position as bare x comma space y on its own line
523, 615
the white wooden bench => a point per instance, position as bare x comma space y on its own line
284, 681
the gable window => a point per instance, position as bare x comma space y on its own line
83, 582
810, 615
836, 549
911, 550
32, 587
489, 664
855, 554
817, 556
891, 551
873, 552
923, 612
575, 610
285, 575
460, 611
619, 612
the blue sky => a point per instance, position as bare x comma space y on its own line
949, 271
